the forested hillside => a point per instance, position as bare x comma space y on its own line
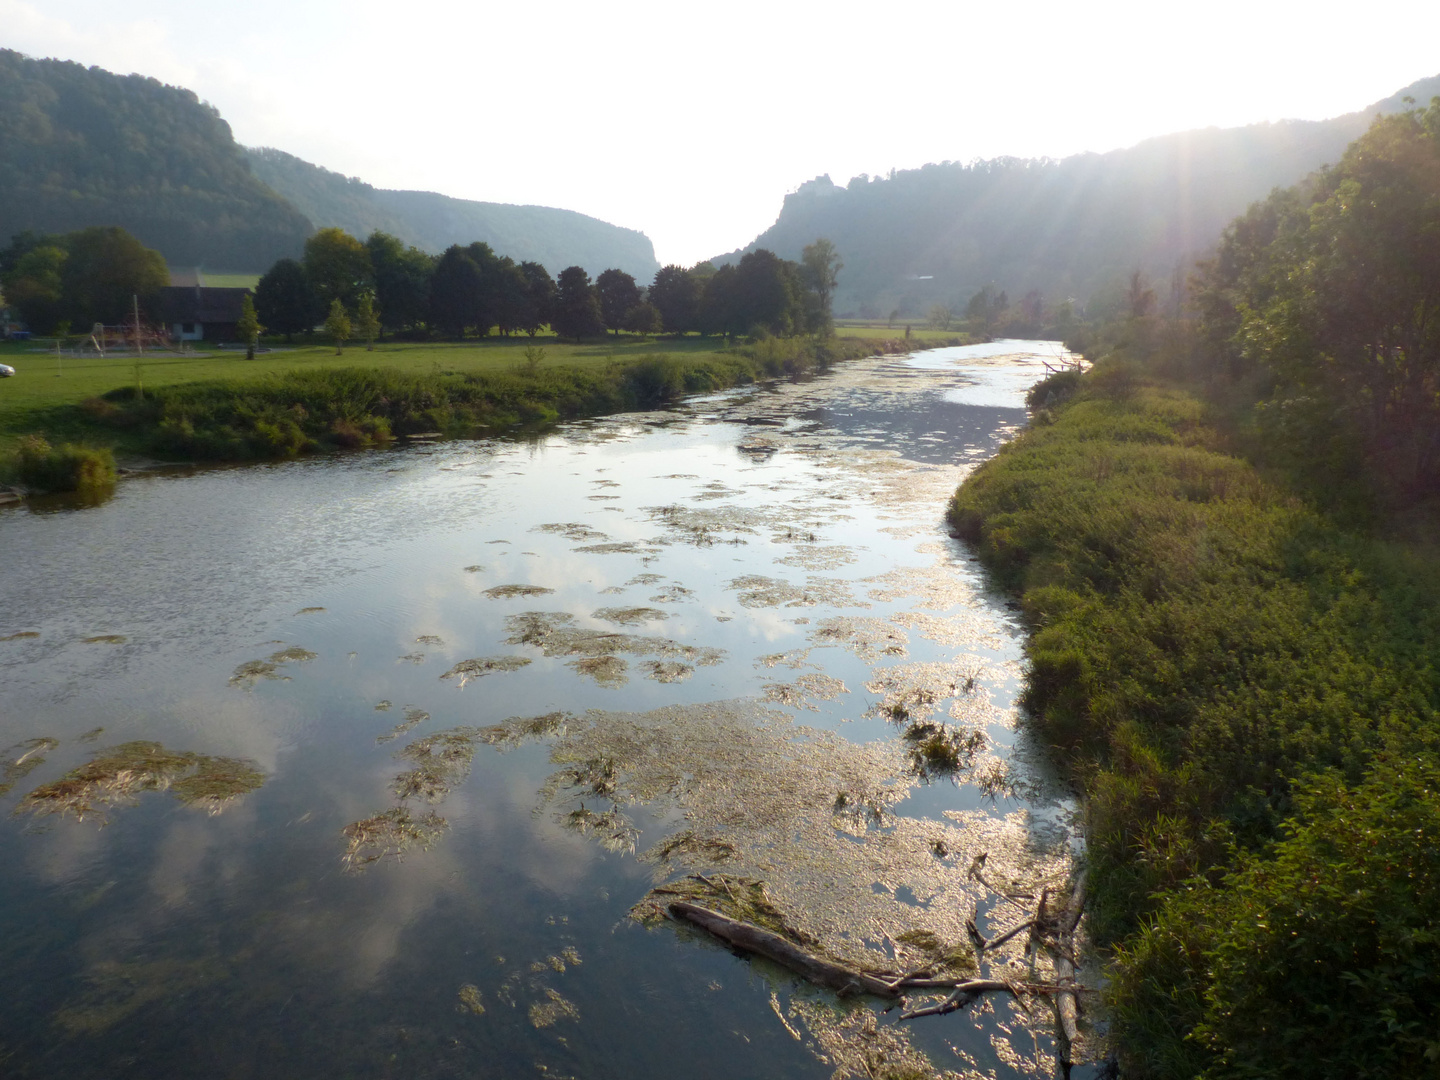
1074, 228
552, 237
83, 147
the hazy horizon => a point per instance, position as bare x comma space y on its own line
693, 130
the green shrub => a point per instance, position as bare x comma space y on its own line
1204, 644
1317, 957
1055, 389
46, 468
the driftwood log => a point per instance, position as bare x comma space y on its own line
844, 980
1051, 931
1062, 953
752, 939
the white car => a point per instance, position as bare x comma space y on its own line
6, 371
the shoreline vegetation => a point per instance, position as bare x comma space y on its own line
1242, 688
1224, 539
498, 388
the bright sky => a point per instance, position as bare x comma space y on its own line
692, 121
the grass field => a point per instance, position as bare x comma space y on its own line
33, 400
217, 405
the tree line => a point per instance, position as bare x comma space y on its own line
470, 290
1326, 296
73, 280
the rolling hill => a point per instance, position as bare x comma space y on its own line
1076, 227
84, 147
555, 238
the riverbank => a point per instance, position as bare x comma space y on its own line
1245, 693
298, 401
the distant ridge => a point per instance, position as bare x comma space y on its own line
80, 146
1070, 228
552, 237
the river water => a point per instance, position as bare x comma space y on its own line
366, 765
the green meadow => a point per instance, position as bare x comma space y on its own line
216, 405
36, 399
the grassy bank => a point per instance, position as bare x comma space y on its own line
1247, 695
287, 402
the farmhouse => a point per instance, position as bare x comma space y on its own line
197, 313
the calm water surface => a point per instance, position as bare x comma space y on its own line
698, 640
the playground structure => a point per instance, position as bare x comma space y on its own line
127, 336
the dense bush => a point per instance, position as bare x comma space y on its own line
1204, 645
1317, 957
46, 468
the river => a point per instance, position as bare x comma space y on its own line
365, 765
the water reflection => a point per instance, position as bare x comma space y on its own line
727, 648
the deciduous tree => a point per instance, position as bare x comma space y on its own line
338, 266
285, 299
33, 287
367, 320
247, 327
337, 325
822, 266
105, 269
512, 293
539, 297
644, 318
618, 294
676, 293
402, 280
455, 292
577, 308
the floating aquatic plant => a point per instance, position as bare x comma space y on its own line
620, 547
938, 750
633, 616
394, 833
252, 671
413, 717
869, 639
555, 633
24, 758
757, 591
466, 670
440, 762
115, 777
608, 671
507, 592
552, 1010
804, 690
470, 1000
105, 639
667, 671
519, 730
572, 530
